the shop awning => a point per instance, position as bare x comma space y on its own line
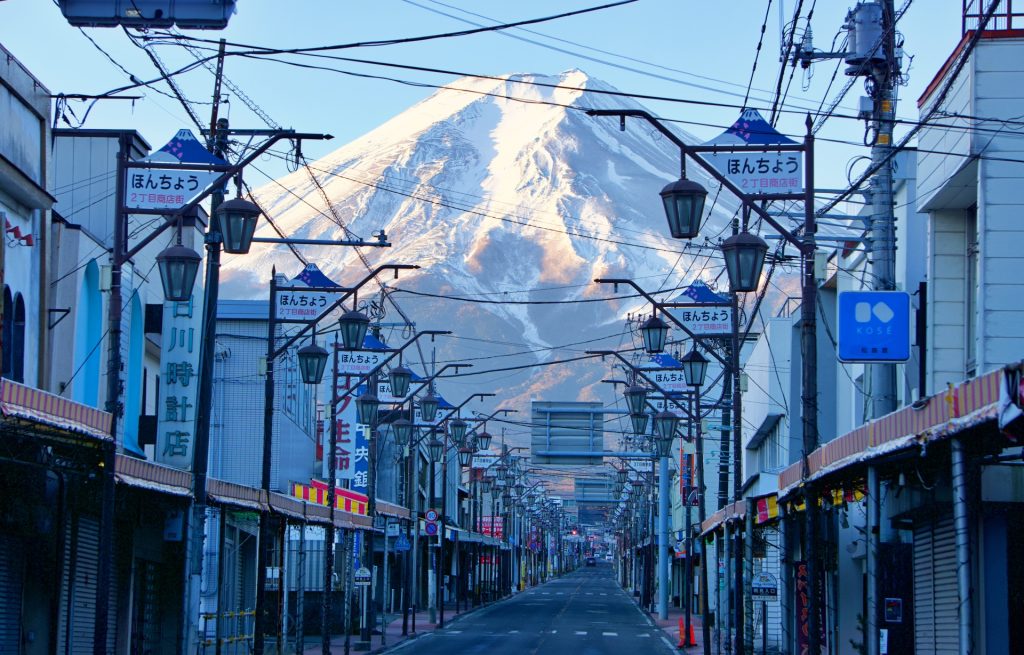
143, 474
37, 406
960, 407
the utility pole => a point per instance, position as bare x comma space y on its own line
881, 84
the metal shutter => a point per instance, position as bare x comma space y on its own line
12, 565
78, 598
936, 595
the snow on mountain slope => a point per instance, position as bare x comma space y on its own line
502, 201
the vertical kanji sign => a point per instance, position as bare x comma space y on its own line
179, 383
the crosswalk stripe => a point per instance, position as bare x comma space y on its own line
581, 633
610, 634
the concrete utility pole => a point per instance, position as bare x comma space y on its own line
881, 84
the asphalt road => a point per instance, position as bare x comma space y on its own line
582, 613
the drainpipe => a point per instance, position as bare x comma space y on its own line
871, 543
963, 547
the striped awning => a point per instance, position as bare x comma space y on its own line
30, 404
940, 415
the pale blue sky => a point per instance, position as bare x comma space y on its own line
672, 41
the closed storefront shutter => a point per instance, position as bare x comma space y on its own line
78, 602
936, 595
12, 567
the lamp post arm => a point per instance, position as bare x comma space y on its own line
639, 371
394, 353
348, 292
455, 409
692, 152
172, 218
422, 383
660, 306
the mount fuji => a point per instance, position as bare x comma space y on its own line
511, 207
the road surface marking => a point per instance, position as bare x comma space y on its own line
513, 632
609, 634
643, 635
582, 633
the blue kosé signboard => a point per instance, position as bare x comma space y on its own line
874, 326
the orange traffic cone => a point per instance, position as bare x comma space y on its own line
685, 642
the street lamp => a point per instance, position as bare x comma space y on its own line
744, 258
402, 428
353, 325
458, 429
465, 457
636, 398
695, 368
436, 448
366, 407
178, 266
484, 440
654, 332
237, 218
428, 406
312, 361
665, 424
639, 422
399, 378
684, 205
621, 475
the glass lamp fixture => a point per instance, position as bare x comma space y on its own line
353, 325
636, 398
465, 457
178, 266
312, 361
695, 368
237, 220
436, 448
428, 406
744, 255
684, 206
403, 431
639, 423
654, 332
366, 408
665, 424
484, 439
399, 379
458, 428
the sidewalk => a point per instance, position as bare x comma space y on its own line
393, 634
671, 627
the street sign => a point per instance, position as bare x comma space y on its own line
757, 173
431, 514
361, 362
167, 188
430, 529
301, 304
664, 370
402, 544
704, 312
361, 578
874, 326
764, 585
394, 530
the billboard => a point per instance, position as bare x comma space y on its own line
567, 433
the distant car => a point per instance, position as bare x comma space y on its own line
591, 561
